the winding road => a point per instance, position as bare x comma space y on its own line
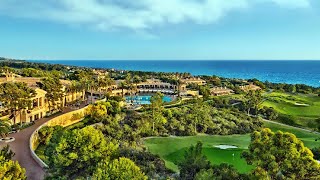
22, 151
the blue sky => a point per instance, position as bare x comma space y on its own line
160, 29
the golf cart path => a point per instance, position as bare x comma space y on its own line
293, 127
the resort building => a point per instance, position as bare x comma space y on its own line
149, 86
39, 106
221, 91
194, 80
155, 85
99, 74
250, 87
194, 93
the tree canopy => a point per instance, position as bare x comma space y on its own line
10, 170
17, 96
79, 151
53, 87
122, 168
193, 162
280, 156
5, 127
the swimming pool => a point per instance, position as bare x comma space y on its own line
144, 99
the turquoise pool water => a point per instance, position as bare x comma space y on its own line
144, 99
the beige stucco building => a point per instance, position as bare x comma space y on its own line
250, 87
194, 80
221, 91
39, 106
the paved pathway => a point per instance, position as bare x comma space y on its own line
293, 127
22, 151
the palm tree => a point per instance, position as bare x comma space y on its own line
128, 81
136, 79
72, 88
84, 87
109, 82
122, 85
93, 86
5, 127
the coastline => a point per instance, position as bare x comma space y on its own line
284, 71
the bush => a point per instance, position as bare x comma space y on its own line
46, 133
316, 153
287, 119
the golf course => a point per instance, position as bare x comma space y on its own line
171, 149
302, 109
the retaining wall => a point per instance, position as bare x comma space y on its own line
64, 120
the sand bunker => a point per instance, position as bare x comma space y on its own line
226, 147
299, 104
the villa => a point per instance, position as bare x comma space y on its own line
221, 91
149, 86
155, 85
194, 80
39, 106
250, 87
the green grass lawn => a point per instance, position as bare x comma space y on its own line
285, 103
171, 149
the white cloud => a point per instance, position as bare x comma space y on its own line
293, 3
136, 15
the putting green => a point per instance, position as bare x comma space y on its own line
216, 156
171, 149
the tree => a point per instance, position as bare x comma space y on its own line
46, 133
97, 111
53, 87
73, 88
268, 113
109, 82
204, 91
10, 169
193, 162
316, 153
129, 82
252, 102
77, 152
5, 127
5, 70
84, 78
157, 110
93, 85
17, 96
223, 171
122, 168
104, 83
6, 153
317, 122
281, 155
122, 85
197, 111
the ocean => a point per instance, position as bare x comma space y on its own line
292, 72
